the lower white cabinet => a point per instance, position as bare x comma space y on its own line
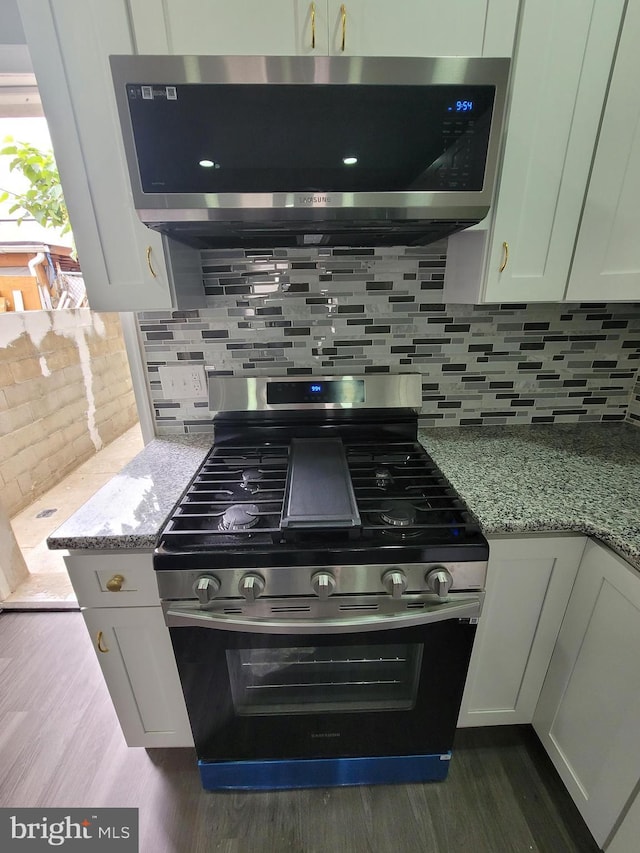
588, 715
133, 646
626, 837
136, 656
529, 581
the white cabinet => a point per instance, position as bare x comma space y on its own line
625, 838
562, 65
136, 658
122, 261
244, 27
426, 28
300, 27
119, 599
607, 256
588, 715
529, 580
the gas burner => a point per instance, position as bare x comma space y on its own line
383, 478
398, 513
250, 479
239, 517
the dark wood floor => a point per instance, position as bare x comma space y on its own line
60, 745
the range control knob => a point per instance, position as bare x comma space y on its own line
251, 587
395, 582
206, 588
323, 584
439, 581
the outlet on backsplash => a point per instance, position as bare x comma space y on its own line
183, 382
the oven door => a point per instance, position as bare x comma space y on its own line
267, 691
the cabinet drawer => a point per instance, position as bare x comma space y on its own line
113, 579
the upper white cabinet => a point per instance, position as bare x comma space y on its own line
122, 260
607, 256
419, 28
563, 60
300, 27
589, 708
244, 27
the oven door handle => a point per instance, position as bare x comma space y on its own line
190, 617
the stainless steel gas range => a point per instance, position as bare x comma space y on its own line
321, 581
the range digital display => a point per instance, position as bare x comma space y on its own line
337, 391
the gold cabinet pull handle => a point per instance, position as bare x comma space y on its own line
100, 643
151, 269
313, 26
505, 257
114, 584
343, 15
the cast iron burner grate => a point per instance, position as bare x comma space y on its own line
238, 491
237, 499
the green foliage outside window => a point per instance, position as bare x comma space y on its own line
43, 200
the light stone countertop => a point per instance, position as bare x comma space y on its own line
582, 478
129, 510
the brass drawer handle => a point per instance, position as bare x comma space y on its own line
343, 15
313, 26
505, 257
114, 584
151, 269
101, 646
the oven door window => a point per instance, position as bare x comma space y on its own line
274, 696
325, 679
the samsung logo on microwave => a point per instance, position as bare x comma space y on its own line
315, 199
325, 734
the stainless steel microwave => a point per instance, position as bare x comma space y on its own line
262, 151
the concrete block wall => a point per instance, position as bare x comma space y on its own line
65, 392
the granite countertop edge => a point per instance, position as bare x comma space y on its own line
578, 474
129, 511
545, 479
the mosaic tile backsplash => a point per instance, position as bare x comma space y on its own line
633, 414
316, 311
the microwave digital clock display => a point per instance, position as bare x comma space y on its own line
462, 106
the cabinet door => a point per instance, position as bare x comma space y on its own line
426, 28
606, 264
301, 27
244, 27
122, 260
529, 581
562, 66
625, 839
136, 656
587, 716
